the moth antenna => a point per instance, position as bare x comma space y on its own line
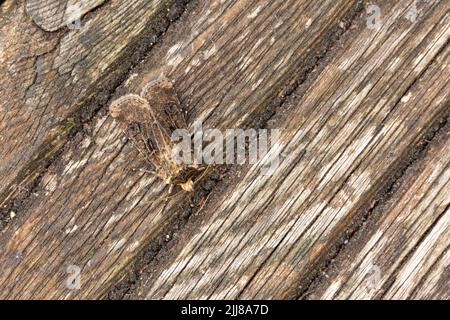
151, 172
175, 195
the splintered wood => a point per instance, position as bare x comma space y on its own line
393, 259
46, 76
353, 124
352, 103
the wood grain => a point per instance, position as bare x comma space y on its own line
48, 76
404, 255
366, 109
230, 60
52, 15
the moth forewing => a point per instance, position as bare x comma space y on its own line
149, 120
124, 109
164, 101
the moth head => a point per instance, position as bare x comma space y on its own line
187, 186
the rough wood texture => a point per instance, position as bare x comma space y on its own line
95, 213
338, 148
52, 15
408, 247
365, 99
47, 76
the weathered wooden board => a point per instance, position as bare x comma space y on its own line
47, 76
342, 139
52, 15
231, 60
435, 284
404, 254
432, 256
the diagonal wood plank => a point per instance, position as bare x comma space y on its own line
391, 258
230, 60
338, 146
433, 252
52, 15
46, 77
435, 284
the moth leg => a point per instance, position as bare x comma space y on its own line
206, 170
143, 170
166, 200
174, 195
148, 171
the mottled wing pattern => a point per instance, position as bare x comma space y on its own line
164, 102
135, 118
129, 108
149, 121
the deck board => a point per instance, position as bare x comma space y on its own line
352, 103
339, 146
92, 211
51, 81
408, 244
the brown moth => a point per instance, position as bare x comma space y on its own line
148, 120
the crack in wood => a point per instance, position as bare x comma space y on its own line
83, 117
441, 127
127, 285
